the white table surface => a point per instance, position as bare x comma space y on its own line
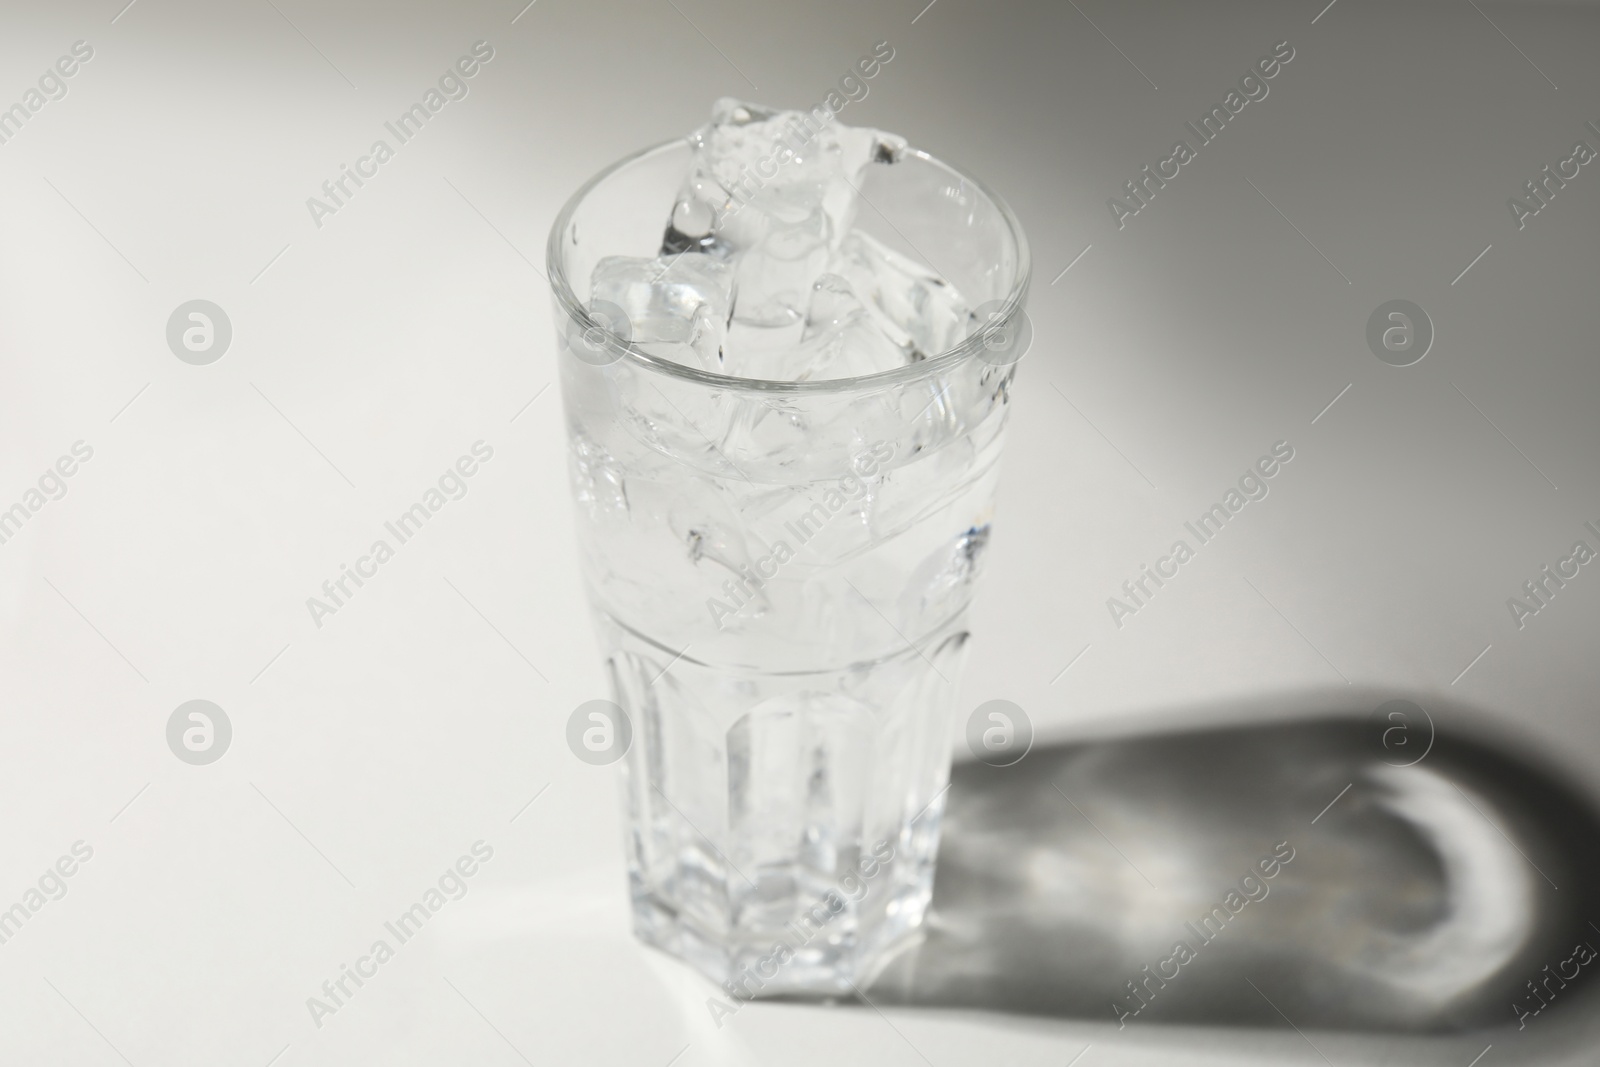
368, 353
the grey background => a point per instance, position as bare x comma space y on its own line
368, 354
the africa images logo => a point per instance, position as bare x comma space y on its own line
451, 885
1141, 189
452, 485
452, 85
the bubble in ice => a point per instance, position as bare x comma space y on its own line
689, 229
692, 218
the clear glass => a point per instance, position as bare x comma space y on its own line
780, 574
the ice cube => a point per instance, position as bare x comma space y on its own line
677, 306
775, 191
774, 287
913, 298
839, 337
836, 303
788, 163
763, 351
772, 194
844, 337
785, 163
833, 305
775, 275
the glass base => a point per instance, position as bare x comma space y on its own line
804, 958
782, 828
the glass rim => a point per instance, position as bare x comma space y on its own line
969, 347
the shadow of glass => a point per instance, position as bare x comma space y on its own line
1253, 875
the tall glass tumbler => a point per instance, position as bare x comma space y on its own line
780, 573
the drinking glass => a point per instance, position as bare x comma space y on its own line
780, 574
